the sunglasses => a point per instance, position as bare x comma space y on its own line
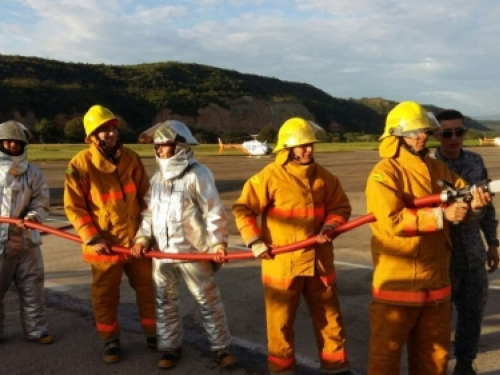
458, 132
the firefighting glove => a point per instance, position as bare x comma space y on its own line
219, 250
32, 218
322, 236
259, 248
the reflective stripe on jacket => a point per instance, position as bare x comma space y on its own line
410, 247
104, 200
294, 203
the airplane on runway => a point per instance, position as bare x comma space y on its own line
250, 148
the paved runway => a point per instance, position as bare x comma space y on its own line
77, 350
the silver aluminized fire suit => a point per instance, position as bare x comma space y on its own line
185, 215
23, 192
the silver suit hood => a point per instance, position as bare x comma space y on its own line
174, 166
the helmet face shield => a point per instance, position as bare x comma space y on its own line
13, 138
170, 131
408, 119
414, 134
166, 134
12, 130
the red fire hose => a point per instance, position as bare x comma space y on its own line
368, 218
62, 227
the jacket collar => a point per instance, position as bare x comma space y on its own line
297, 170
102, 163
404, 155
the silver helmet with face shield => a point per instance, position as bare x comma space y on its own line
15, 131
171, 131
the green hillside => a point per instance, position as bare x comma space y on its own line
383, 106
50, 88
137, 92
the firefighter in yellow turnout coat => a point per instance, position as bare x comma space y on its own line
296, 199
411, 248
103, 199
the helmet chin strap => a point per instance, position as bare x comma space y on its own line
296, 159
421, 153
103, 146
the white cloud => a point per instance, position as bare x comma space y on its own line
149, 15
445, 53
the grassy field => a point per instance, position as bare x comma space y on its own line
64, 152
54, 152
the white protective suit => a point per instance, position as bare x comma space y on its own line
23, 193
185, 215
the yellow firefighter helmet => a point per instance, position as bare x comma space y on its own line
408, 117
96, 117
296, 132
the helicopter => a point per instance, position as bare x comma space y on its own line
253, 147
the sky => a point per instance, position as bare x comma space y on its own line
445, 53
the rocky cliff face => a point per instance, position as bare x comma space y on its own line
247, 114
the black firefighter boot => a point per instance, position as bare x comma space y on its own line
464, 367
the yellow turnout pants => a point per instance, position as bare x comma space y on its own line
323, 305
106, 279
425, 329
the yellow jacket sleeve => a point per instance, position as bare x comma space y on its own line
387, 202
75, 205
338, 207
252, 201
141, 179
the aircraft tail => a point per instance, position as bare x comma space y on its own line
221, 145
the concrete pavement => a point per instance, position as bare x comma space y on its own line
78, 350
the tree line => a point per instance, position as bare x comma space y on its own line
49, 88
48, 131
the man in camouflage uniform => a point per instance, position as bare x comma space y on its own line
468, 274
